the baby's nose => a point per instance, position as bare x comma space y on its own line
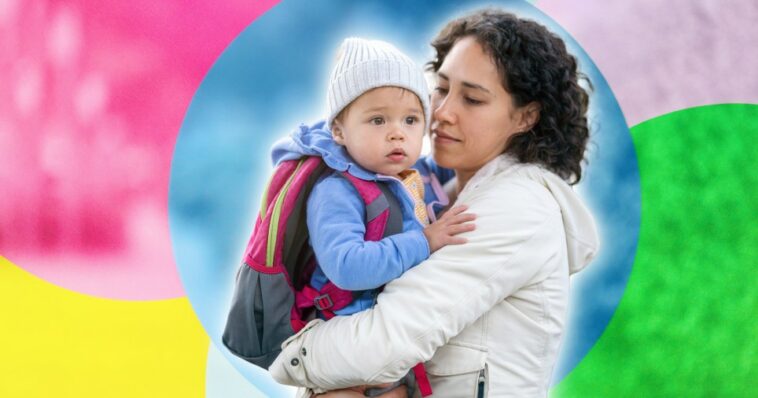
396, 134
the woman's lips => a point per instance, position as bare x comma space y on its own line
440, 137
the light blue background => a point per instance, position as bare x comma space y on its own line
273, 77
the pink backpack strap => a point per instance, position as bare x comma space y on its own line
380, 221
327, 300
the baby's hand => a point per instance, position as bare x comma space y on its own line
442, 232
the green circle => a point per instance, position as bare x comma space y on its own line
687, 324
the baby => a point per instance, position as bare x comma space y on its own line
378, 104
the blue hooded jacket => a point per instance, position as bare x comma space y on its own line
335, 218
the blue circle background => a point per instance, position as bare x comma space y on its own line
273, 76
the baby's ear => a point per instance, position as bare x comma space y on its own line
337, 132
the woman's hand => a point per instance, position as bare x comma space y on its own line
442, 232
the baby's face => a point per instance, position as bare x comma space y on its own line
382, 130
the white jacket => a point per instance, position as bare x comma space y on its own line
487, 315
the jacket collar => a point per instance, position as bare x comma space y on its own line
316, 140
495, 166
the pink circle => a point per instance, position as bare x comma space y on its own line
88, 122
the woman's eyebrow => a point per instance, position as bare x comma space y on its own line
466, 84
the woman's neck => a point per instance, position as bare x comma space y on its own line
462, 177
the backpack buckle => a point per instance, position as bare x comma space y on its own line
323, 302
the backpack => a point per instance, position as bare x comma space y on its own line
273, 298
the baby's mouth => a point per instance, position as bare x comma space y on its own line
397, 155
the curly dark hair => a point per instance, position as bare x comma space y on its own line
534, 66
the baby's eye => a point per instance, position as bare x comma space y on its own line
411, 120
377, 121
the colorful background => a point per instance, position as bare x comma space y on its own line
99, 297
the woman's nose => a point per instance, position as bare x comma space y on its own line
443, 111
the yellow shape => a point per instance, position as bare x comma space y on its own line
58, 343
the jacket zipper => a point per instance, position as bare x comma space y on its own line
480, 388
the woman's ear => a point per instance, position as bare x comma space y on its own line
530, 115
338, 132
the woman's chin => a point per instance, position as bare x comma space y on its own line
443, 159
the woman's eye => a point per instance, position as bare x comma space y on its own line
377, 121
441, 90
411, 120
472, 101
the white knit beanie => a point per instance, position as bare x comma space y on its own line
363, 65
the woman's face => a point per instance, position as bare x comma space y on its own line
473, 115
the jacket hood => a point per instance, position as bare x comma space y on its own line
582, 239
581, 232
316, 140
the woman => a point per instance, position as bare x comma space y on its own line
510, 119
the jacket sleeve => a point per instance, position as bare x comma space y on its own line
335, 217
519, 228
